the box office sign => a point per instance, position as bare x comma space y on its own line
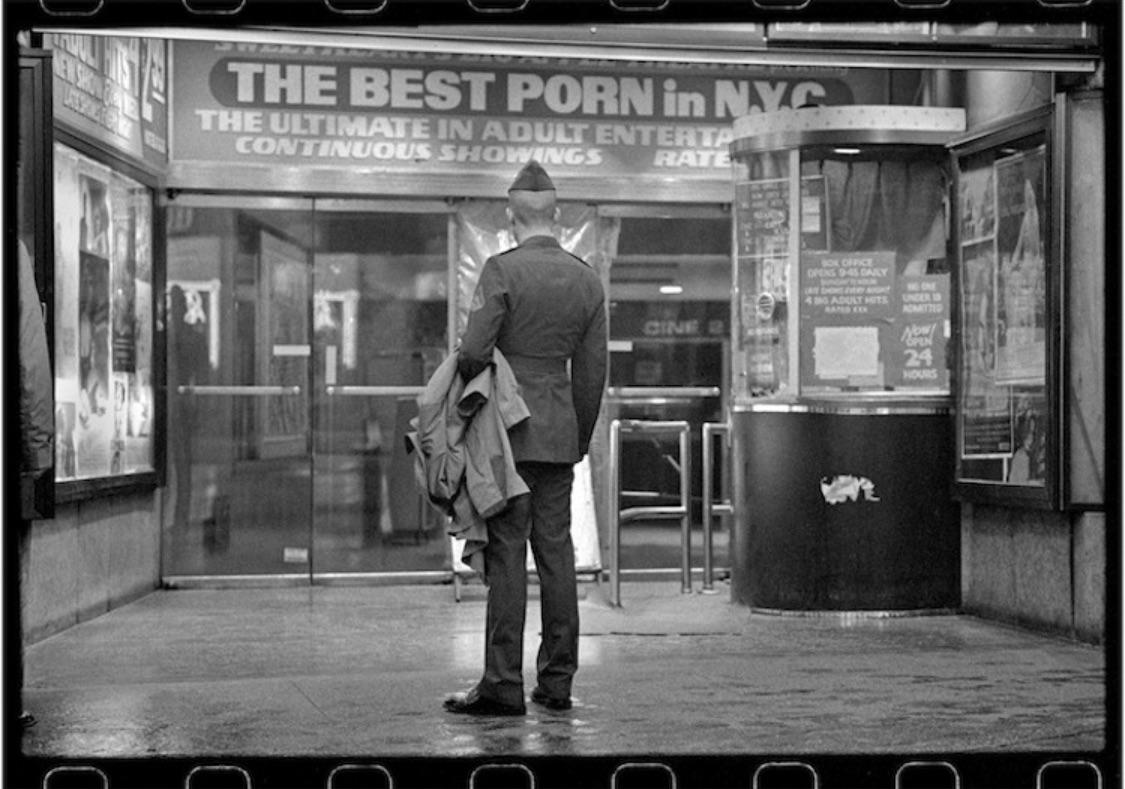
864, 325
446, 113
114, 90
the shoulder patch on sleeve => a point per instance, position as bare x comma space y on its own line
477, 301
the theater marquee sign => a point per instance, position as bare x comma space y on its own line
450, 114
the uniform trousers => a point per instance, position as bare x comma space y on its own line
543, 518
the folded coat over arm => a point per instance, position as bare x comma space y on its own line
462, 456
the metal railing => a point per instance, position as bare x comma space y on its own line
712, 508
618, 516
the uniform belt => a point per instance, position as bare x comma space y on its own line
538, 364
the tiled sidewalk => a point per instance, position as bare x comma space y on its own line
362, 671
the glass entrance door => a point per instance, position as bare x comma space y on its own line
380, 321
298, 335
669, 324
238, 330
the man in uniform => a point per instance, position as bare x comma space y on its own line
545, 310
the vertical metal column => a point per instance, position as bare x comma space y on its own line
685, 506
711, 508
615, 512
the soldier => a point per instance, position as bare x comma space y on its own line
545, 310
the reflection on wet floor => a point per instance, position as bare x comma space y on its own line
542, 733
364, 670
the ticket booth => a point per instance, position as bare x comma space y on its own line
841, 433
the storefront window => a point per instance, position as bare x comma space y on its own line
873, 282
103, 308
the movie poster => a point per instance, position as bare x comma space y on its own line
124, 283
977, 199
985, 408
67, 202
95, 406
1021, 292
140, 394
1003, 405
978, 304
1028, 463
103, 303
93, 228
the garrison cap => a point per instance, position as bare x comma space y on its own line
532, 178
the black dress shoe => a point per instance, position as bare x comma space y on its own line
472, 703
540, 696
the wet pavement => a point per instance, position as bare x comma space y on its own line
347, 671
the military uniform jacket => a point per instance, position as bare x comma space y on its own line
545, 310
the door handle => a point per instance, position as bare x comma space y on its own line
253, 391
375, 391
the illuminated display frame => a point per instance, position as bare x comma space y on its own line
992, 475
105, 280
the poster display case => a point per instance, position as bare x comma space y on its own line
103, 342
110, 109
841, 395
1007, 317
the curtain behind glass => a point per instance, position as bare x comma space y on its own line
891, 205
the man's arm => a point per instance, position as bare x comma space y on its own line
486, 317
37, 417
587, 372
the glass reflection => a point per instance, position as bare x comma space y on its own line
237, 334
380, 325
669, 324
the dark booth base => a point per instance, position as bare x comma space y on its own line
890, 543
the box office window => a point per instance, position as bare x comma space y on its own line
860, 304
103, 344
873, 282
